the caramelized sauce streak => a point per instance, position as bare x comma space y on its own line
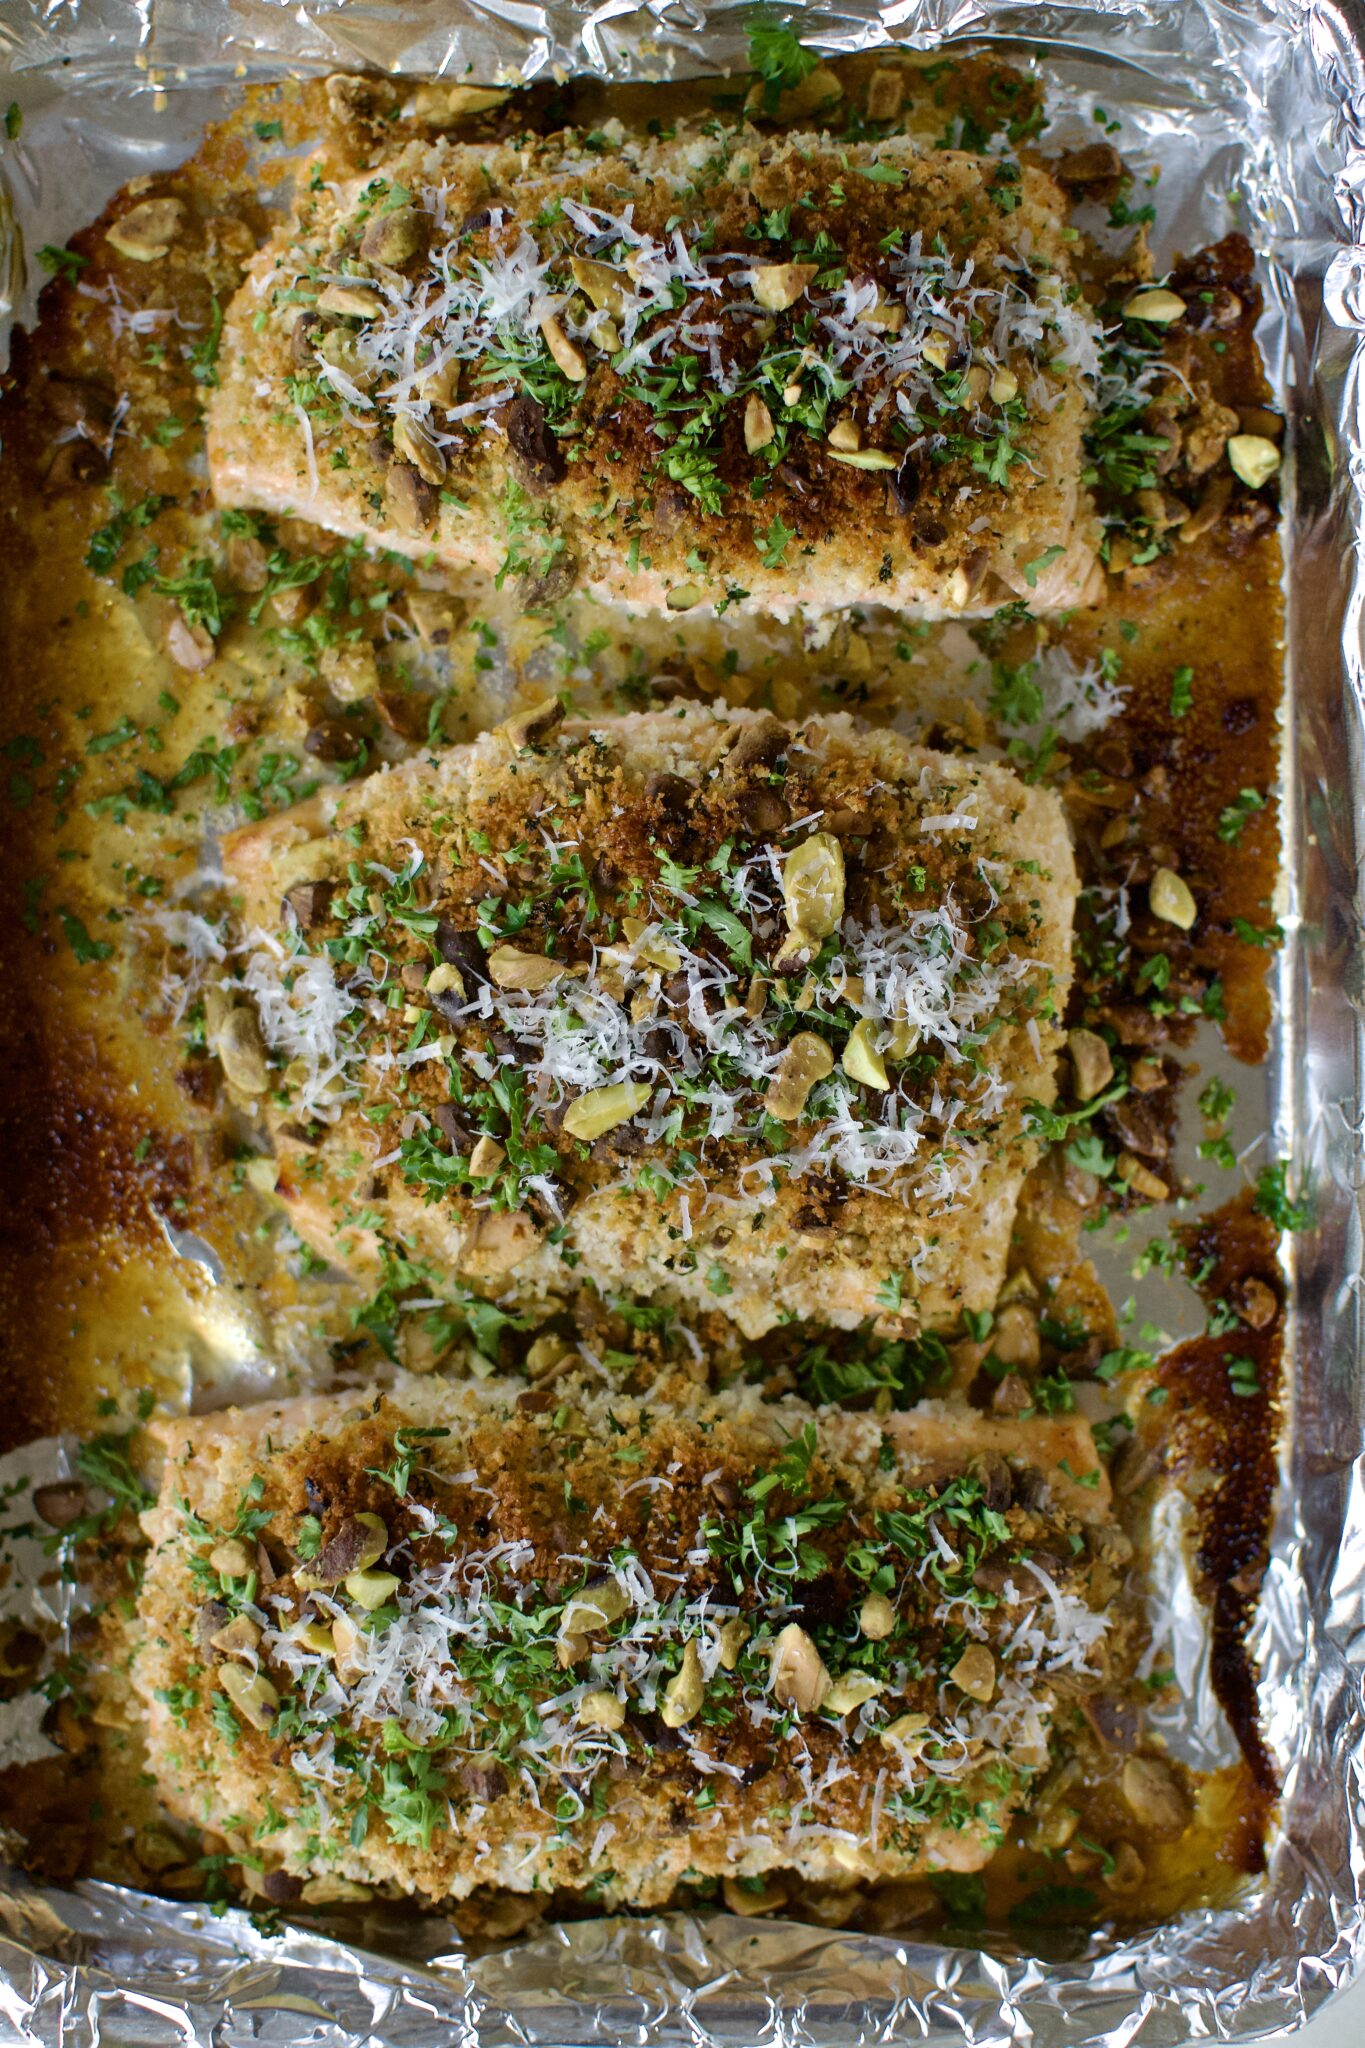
1228, 1441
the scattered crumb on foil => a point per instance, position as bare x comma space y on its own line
1255, 115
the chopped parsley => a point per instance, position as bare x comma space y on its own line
1234, 817
1182, 692
779, 58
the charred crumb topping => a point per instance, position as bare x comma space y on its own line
425, 1637
763, 970
759, 339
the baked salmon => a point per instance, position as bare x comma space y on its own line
434, 1639
691, 1003
718, 369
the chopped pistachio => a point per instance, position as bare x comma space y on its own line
904, 1729
596, 1607
1253, 458
347, 1640
683, 596
797, 949
317, 1637
599, 1110
359, 1542
251, 1694
851, 1691
338, 347
414, 444
864, 458
807, 1060
779, 285
241, 1051
1014, 1335
861, 1060
569, 357
1004, 386
420, 1348
758, 424
685, 1691
813, 884
510, 967
1170, 898
974, 1673
876, 1617
798, 1673
648, 941
239, 1637
1140, 1178
602, 1709
440, 387
961, 585
734, 1634
807, 96
393, 239
157, 1849
1020, 1285
335, 1891
487, 1156
614, 965
601, 282
410, 500
445, 980
844, 436
351, 301
533, 726
886, 314
437, 103
1126, 1873
849, 1856
1092, 1064
1054, 1825
748, 1904
1158, 307
373, 1543
370, 1589
145, 232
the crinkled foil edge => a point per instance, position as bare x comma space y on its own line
130, 82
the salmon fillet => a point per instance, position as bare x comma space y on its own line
686, 1003
430, 1639
718, 369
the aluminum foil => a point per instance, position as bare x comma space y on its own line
1254, 110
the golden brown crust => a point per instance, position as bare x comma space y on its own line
535, 1739
568, 397
631, 860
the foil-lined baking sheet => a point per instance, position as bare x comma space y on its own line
1254, 113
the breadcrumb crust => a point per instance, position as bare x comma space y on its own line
741, 1228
